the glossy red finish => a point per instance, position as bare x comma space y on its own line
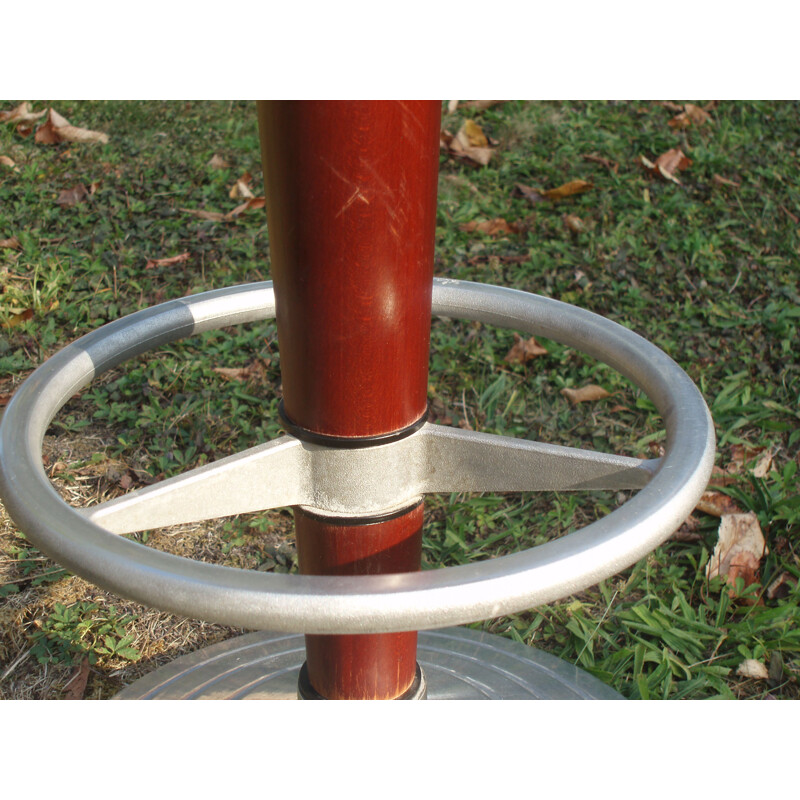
361, 666
351, 210
351, 199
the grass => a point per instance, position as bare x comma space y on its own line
707, 270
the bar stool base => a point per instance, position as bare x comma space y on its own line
458, 664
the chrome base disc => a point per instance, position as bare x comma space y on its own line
458, 664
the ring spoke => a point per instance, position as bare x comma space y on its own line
266, 476
467, 461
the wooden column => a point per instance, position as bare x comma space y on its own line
351, 205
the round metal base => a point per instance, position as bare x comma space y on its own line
458, 664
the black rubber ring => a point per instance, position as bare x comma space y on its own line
348, 442
305, 691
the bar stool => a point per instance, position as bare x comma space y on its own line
351, 199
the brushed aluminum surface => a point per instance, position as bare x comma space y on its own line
365, 604
458, 664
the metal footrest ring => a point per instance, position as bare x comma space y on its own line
365, 604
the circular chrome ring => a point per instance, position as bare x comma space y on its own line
375, 603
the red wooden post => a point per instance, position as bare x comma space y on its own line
351, 205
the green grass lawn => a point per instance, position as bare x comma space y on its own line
705, 266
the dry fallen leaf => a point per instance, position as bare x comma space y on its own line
720, 181
717, 504
574, 224
21, 114
452, 105
568, 189
762, 458
750, 668
529, 193
248, 205
470, 143
76, 686
781, 586
165, 262
253, 370
8, 162
57, 129
739, 550
688, 531
524, 350
241, 188
667, 164
606, 162
71, 197
18, 317
215, 216
218, 162
491, 227
690, 115
585, 394
12, 244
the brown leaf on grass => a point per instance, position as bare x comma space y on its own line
720, 477
720, 181
574, 224
166, 262
524, 350
750, 668
57, 129
217, 216
717, 504
18, 317
75, 688
8, 162
671, 106
757, 460
781, 586
256, 369
690, 115
740, 548
585, 394
491, 227
529, 193
606, 162
667, 164
233, 373
11, 244
214, 216
241, 188
71, 197
469, 143
248, 205
21, 114
4, 399
688, 531
452, 105
568, 189
218, 162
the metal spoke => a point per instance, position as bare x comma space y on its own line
467, 461
369, 481
260, 477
